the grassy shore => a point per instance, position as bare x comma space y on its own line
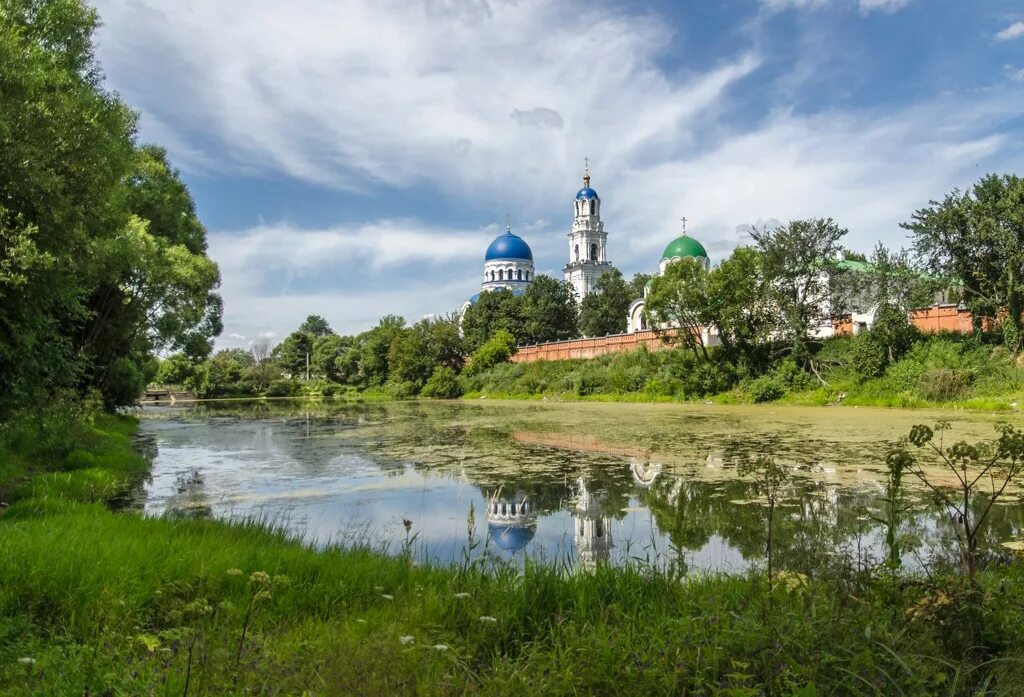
94, 601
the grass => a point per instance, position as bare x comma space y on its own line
94, 601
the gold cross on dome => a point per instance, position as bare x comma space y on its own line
683, 219
586, 166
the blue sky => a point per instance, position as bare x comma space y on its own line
355, 158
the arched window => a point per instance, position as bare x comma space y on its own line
519, 274
576, 252
591, 206
527, 275
593, 252
599, 527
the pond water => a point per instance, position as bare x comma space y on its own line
573, 484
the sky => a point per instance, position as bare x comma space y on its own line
354, 158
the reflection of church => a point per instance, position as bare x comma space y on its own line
592, 530
511, 521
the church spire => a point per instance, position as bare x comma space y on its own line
586, 172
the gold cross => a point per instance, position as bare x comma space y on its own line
684, 224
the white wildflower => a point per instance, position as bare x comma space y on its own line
361, 621
461, 596
489, 619
405, 640
387, 597
27, 661
440, 647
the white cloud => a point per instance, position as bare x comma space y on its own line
888, 6
865, 6
1014, 73
399, 93
1014, 31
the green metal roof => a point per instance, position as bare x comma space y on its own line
684, 246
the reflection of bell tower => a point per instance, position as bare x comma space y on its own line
592, 530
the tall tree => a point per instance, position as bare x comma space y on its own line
604, 312
678, 302
316, 327
493, 311
800, 260
977, 237
550, 311
737, 305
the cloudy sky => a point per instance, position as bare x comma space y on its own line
353, 158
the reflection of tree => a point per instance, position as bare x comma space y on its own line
190, 499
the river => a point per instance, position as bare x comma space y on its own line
574, 484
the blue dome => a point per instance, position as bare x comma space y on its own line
509, 246
511, 538
586, 193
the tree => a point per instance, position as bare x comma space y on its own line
316, 327
638, 285
737, 306
294, 354
604, 312
800, 264
977, 237
550, 311
678, 302
443, 384
262, 371
493, 311
498, 349
327, 350
374, 347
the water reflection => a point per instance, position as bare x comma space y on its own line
553, 483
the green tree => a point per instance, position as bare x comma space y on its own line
977, 236
678, 302
638, 285
737, 305
493, 311
498, 349
316, 326
443, 384
604, 312
327, 349
550, 311
374, 347
800, 267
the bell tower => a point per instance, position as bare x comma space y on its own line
588, 242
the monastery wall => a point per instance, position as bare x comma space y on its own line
937, 318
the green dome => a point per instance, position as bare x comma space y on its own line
682, 247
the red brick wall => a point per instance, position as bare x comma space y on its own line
938, 318
944, 318
587, 348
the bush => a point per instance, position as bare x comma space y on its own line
766, 388
442, 384
868, 357
498, 349
943, 384
284, 388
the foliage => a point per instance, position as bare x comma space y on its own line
493, 311
981, 474
102, 259
604, 311
679, 302
550, 311
443, 384
800, 261
498, 349
977, 237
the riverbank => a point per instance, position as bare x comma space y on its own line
111, 601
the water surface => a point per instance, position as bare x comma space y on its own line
573, 484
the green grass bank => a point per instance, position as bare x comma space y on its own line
937, 371
95, 601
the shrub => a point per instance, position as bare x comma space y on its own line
498, 349
943, 384
284, 388
442, 384
766, 388
868, 357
